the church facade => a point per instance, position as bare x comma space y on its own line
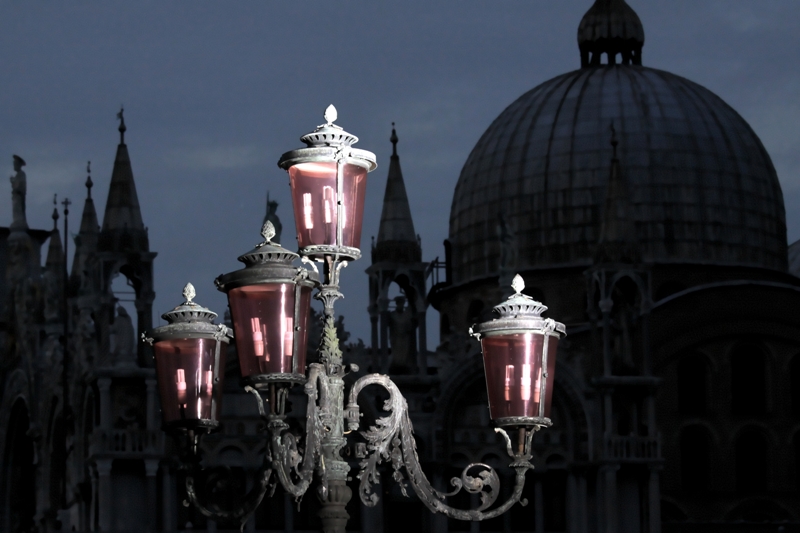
637, 205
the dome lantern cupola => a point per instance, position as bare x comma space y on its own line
610, 27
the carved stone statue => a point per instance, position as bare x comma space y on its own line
52, 296
86, 334
508, 254
272, 207
402, 336
123, 338
19, 188
508, 251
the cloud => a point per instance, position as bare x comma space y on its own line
216, 157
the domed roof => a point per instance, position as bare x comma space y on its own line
610, 19
702, 188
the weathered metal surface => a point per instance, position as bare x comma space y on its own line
392, 439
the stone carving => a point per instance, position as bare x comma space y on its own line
272, 207
19, 188
508, 250
402, 329
123, 338
86, 333
52, 296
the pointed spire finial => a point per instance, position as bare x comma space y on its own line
268, 232
89, 182
55, 212
393, 139
122, 127
331, 115
518, 284
189, 293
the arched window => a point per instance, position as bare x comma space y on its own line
794, 385
668, 288
18, 473
692, 384
751, 461
695, 448
748, 380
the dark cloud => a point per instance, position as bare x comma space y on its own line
215, 93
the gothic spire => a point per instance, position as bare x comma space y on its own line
55, 252
397, 241
123, 229
89, 182
122, 129
610, 27
86, 239
617, 242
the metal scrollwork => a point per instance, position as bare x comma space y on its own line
217, 481
239, 513
391, 439
294, 466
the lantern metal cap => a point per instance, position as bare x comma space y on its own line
329, 142
519, 314
189, 311
268, 262
268, 252
329, 134
518, 304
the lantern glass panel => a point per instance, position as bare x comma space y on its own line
315, 198
186, 379
265, 328
513, 365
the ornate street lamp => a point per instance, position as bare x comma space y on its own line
269, 300
519, 359
270, 305
329, 182
189, 365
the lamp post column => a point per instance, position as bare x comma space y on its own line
334, 500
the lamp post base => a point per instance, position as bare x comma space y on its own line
333, 514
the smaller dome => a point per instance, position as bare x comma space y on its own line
610, 27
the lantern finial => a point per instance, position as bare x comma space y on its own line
519, 304
268, 232
331, 115
189, 293
518, 284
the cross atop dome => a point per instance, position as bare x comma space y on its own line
610, 27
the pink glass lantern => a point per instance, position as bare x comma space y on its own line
189, 365
329, 182
519, 357
270, 302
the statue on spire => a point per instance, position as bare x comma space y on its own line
122, 127
19, 187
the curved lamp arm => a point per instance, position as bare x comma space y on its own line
190, 462
391, 439
285, 456
241, 512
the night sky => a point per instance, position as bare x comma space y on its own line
214, 93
